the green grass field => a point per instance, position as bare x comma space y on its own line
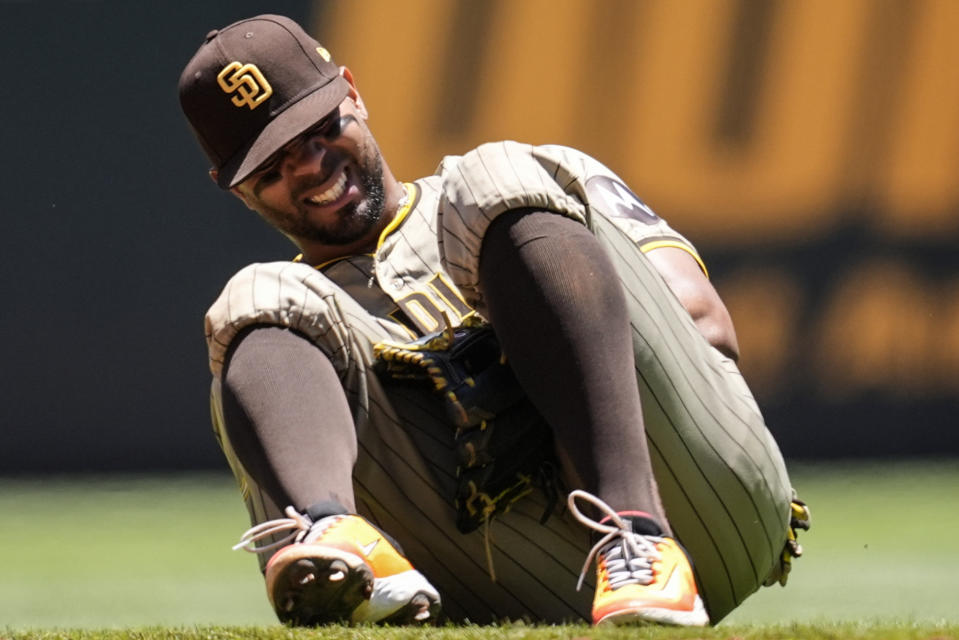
150, 557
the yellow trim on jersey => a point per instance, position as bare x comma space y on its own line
400, 215
390, 228
299, 258
453, 290
676, 244
328, 262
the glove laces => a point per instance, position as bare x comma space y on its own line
629, 556
297, 524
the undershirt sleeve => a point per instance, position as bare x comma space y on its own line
287, 418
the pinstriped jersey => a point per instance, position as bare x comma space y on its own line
424, 270
721, 477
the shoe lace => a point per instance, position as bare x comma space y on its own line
629, 556
296, 523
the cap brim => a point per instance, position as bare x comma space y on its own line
284, 127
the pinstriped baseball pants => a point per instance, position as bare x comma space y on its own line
721, 476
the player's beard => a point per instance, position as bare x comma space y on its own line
353, 221
356, 218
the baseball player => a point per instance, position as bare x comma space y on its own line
383, 446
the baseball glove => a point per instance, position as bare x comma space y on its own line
504, 447
799, 519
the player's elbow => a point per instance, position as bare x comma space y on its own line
684, 276
712, 319
719, 332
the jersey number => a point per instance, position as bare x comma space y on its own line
424, 309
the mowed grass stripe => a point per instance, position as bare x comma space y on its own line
100, 556
85, 552
843, 631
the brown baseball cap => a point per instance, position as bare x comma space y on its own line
254, 86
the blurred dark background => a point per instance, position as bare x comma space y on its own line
809, 149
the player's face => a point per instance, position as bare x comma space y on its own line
326, 185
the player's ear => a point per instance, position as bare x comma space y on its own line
354, 94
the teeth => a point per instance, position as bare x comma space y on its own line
332, 193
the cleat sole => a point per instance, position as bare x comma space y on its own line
323, 587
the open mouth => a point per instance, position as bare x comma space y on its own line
332, 194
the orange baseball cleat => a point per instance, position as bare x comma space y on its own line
340, 569
639, 578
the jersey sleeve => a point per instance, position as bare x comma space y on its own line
609, 196
503, 176
488, 181
296, 296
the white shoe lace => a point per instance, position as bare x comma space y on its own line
297, 523
629, 556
